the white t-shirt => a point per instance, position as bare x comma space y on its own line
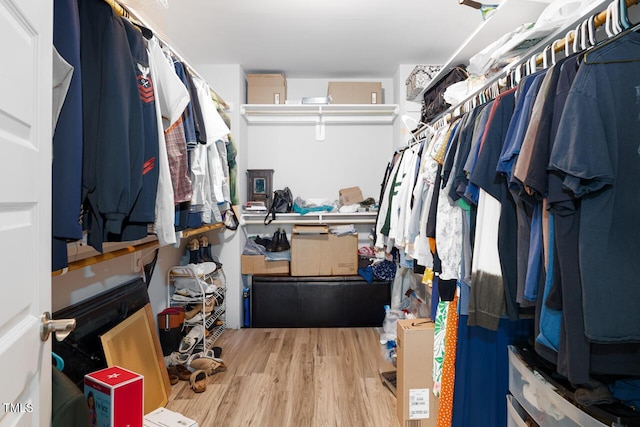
171, 100
216, 130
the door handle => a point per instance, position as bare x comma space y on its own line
61, 327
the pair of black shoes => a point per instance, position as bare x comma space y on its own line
200, 251
278, 243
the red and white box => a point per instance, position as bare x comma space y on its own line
115, 397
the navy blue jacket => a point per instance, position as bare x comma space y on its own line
113, 153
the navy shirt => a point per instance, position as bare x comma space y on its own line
187, 116
143, 210
598, 150
486, 177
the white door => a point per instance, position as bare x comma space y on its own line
26, 31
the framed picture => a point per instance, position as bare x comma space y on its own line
259, 185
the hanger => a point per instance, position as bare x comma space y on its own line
592, 30
567, 42
146, 32
624, 18
406, 118
583, 34
576, 38
615, 9
532, 64
545, 62
609, 41
415, 139
518, 75
607, 22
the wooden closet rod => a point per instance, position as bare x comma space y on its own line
128, 13
85, 262
599, 20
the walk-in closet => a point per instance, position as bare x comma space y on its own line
282, 213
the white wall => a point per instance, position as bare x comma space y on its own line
351, 155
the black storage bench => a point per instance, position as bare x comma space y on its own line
317, 302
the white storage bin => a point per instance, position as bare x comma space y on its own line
515, 413
540, 400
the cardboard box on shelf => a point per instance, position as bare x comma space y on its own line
115, 397
317, 252
163, 417
355, 92
266, 89
416, 404
258, 264
350, 196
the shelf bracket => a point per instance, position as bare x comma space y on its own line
320, 126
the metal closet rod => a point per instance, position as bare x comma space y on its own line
558, 44
128, 13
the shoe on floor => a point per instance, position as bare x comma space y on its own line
198, 381
176, 358
191, 339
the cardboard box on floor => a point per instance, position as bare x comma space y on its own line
350, 196
416, 404
257, 264
355, 92
266, 88
163, 417
317, 252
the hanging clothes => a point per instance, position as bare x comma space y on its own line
486, 178
142, 212
171, 100
481, 371
445, 404
66, 185
113, 157
600, 163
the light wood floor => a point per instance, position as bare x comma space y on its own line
294, 377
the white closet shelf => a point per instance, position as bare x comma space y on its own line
509, 15
312, 218
314, 114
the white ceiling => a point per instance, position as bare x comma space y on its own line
313, 39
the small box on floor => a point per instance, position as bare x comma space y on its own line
115, 397
162, 417
417, 406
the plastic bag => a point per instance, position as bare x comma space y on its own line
390, 324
